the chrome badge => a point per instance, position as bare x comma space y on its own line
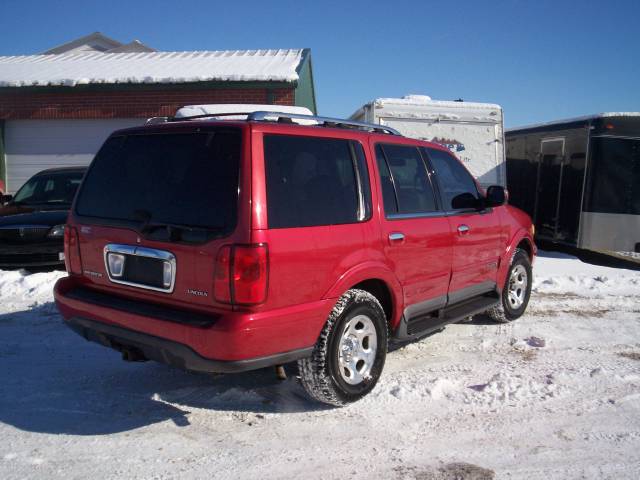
91, 273
197, 293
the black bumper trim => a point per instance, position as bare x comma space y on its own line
170, 352
138, 307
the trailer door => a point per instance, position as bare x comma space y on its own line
549, 187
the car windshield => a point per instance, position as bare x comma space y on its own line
183, 180
49, 189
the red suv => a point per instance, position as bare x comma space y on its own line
229, 245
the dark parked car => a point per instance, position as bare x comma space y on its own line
32, 221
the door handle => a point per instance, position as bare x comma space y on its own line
463, 229
396, 237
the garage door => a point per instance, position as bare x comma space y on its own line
34, 145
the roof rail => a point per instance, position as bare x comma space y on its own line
156, 120
324, 121
264, 116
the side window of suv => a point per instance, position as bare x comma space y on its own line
406, 187
454, 179
314, 181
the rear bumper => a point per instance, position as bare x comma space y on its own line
216, 342
170, 352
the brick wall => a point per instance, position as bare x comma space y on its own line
17, 104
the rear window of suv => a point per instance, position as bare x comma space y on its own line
314, 181
188, 180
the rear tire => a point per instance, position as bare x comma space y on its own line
349, 356
517, 290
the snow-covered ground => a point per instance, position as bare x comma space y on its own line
554, 395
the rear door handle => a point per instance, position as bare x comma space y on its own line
396, 237
463, 229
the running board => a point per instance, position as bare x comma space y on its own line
422, 325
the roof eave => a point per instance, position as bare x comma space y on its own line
202, 85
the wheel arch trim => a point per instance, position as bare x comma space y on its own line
505, 261
371, 271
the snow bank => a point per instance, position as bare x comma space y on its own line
559, 273
20, 289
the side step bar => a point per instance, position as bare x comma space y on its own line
413, 328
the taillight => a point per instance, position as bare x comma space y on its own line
241, 275
250, 272
221, 284
72, 260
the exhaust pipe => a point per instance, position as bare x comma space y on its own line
133, 355
281, 374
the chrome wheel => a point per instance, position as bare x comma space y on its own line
517, 286
357, 349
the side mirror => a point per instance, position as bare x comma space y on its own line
465, 201
4, 199
496, 196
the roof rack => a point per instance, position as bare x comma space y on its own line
156, 120
281, 117
323, 121
207, 115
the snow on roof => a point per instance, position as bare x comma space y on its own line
422, 100
149, 67
423, 108
574, 119
242, 109
217, 108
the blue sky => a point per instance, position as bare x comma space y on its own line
541, 60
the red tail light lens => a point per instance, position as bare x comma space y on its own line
221, 283
241, 274
250, 274
72, 260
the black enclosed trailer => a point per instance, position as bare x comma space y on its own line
579, 179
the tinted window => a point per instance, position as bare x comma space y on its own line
454, 179
386, 183
311, 181
363, 175
406, 187
187, 179
614, 176
49, 189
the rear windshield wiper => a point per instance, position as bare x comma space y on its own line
150, 226
175, 230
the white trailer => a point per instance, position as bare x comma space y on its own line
474, 132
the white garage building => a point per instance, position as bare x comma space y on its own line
34, 145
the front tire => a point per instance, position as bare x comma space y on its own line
517, 289
349, 356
